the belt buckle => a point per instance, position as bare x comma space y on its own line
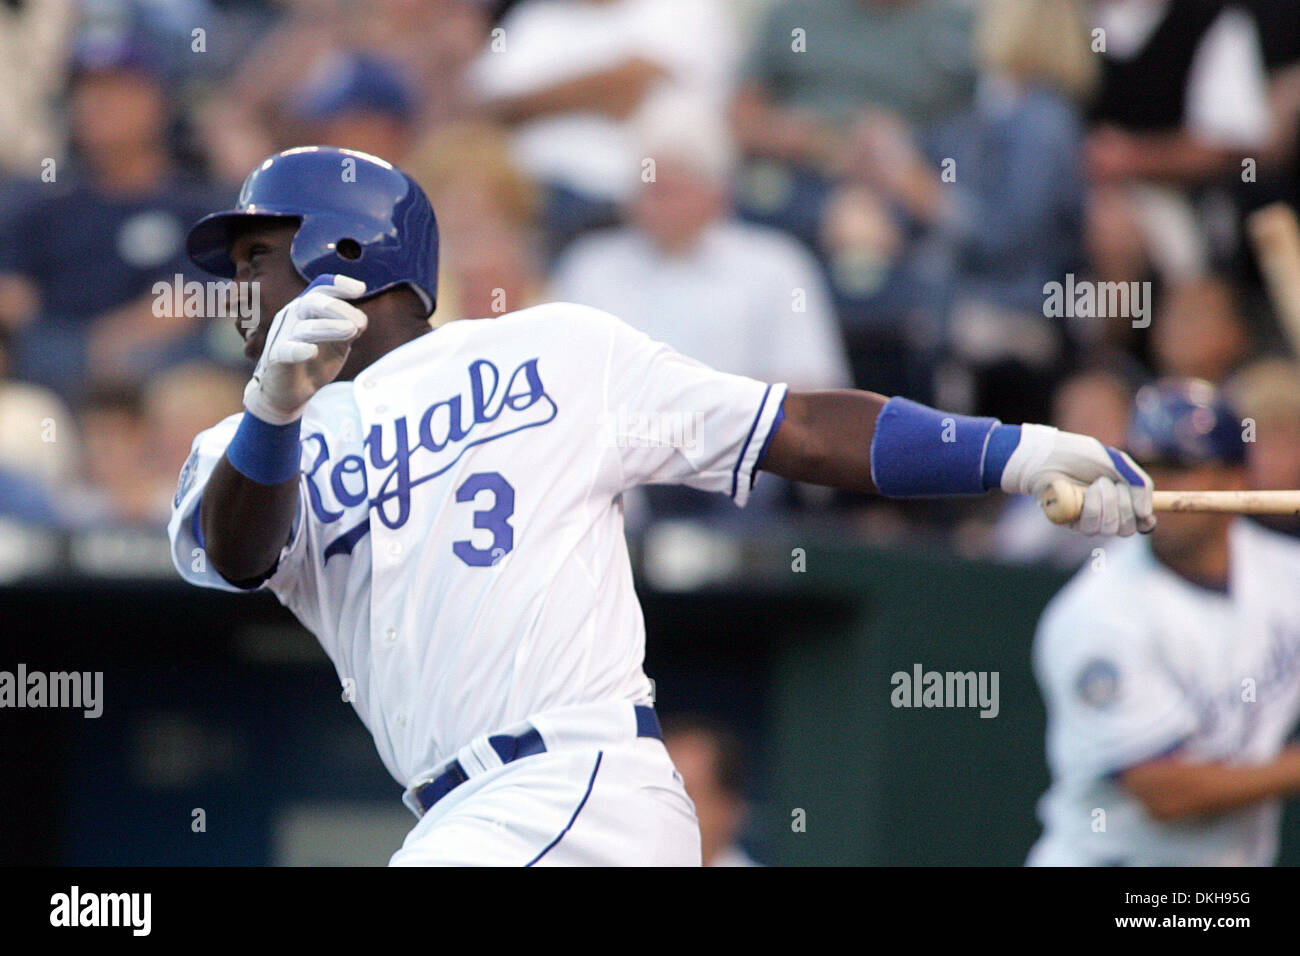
409, 799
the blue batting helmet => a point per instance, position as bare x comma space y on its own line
1184, 422
359, 216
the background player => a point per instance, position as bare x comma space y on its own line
1171, 669
444, 510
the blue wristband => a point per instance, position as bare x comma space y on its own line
265, 453
918, 451
997, 453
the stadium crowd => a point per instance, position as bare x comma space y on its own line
876, 193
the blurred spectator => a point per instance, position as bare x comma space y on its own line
490, 271
182, 402
1001, 197
490, 260
748, 16
739, 297
815, 68
79, 263
187, 38
1183, 98
359, 101
467, 170
431, 42
1199, 332
1094, 402
37, 437
38, 448
1279, 165
572, 76
710, 759
121, 485
1170, 669
1267, 394
137, 438
34, 37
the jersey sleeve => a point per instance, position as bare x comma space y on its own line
185, 530
673, 420
1112, 701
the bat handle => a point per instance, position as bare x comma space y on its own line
1062, 501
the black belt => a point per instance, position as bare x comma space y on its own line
511, 747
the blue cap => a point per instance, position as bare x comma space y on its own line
113, 51
1184, 422
359, 82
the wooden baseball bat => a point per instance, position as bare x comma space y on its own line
1063, 501
1275, 233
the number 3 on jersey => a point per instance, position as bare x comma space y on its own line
494, 519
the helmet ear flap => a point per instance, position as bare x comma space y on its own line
316, 247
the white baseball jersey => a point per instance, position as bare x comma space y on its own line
459, 547
1136, 662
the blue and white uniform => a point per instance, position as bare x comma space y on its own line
459, 553
1135, 662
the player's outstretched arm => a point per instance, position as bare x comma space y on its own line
819, 434
861, 441
251, 497
1177, 789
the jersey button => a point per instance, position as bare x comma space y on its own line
395, 549
390, 635
380, 409
401, 720
368, 383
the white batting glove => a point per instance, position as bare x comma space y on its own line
305, 349
1117, 495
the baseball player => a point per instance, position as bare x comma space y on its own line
1171, 670
443, 508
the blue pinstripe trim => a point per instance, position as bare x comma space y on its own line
590, 783
735, 472
771, 433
